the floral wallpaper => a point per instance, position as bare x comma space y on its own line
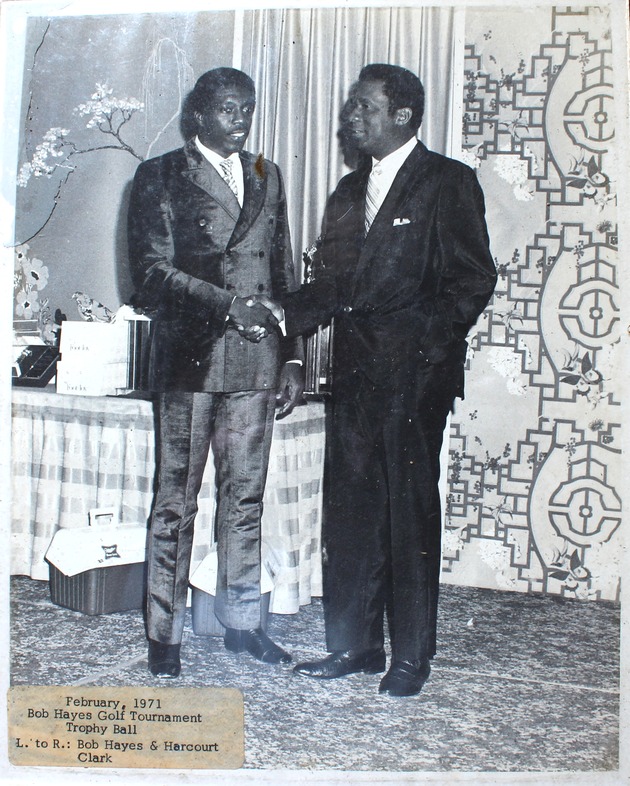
533, 485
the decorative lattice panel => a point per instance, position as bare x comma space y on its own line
533, 482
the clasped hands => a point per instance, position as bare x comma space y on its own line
255, 316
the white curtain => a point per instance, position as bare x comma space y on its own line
303, 62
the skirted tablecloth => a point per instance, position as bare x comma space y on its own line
71, 454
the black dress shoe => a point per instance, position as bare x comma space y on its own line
164, 660
405, 678
257, 643
343, 662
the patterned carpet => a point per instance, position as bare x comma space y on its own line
520, 683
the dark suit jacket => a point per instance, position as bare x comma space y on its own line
408, 293
192, 249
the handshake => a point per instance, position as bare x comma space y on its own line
255, 316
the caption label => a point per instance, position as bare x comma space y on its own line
181, 728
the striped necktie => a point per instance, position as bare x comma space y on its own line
372, 202
226, 168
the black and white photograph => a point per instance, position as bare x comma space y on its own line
314, 353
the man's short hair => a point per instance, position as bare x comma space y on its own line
203, 93
402, 88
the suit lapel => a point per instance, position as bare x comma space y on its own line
255, 190
205, 176
396, 195
391, 208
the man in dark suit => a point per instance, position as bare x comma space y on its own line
405, 269
207, 227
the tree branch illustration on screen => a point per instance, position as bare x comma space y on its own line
107, 115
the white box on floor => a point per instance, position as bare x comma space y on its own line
98, 569
204, 583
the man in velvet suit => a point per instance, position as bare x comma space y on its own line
405, 269
208, 227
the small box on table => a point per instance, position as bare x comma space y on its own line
204, 582
104, 358
98, 570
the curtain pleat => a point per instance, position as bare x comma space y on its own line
304, 61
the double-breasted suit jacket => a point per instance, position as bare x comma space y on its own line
404, 296
193, 249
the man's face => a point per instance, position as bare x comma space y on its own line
375, 131
224, 125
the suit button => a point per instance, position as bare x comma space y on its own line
347, 309
202, 222
261, 287
261, 254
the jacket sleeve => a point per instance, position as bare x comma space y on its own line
316, 301
467, 273
283, 270
160, 286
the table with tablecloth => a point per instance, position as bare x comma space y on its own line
72, 454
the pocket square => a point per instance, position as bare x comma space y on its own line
400, 222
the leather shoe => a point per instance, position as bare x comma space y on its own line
257, 643
405, 678
164, 660
343, 662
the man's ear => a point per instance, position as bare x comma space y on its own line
198, 118
403, 116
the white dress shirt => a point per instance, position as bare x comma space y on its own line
215, 159
384, 171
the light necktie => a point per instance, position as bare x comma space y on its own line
372, 202
226, 168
